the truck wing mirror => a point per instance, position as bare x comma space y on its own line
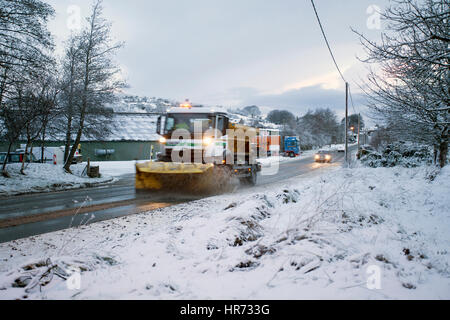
160, 125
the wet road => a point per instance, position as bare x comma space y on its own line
27, 215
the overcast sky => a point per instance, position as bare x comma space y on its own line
236, 52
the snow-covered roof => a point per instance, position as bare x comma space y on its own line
134, 104
196, 110
133, 127
124, 127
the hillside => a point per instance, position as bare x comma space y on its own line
144, 104
136, 104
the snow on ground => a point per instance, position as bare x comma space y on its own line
280, 159
328, 235
117, 168
336, 147
45, 177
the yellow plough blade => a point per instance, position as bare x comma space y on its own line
173, 176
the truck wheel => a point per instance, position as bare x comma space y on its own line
250, 180
291, 154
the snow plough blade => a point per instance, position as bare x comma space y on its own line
175, 176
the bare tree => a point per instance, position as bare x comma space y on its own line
13, 127
25, 44
49, 109
71, 88
24, 39
99, 74
282, 117
252, 111
381, 137
411, 90
19, 116
317, 128
27, 113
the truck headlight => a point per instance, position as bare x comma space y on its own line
207, 141
162, 140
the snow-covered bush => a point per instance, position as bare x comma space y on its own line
405, 154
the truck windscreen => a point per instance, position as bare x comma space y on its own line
188, 122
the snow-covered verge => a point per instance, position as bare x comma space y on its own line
317, 237
45, 178
405, 154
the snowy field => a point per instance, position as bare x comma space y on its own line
357, 233
45, 178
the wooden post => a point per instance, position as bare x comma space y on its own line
346, 122
359, 116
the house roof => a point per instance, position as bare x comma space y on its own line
209, 110
125, 127
133, 127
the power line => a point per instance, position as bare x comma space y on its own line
326, 41
331, 53
347, 87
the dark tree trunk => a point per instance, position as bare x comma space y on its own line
43, 144
30, 158
75, 145
68, 139
3, 85
443, 149
4, 173
435, 153
22, 168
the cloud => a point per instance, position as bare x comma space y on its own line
299, 101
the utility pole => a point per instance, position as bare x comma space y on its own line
346, 122
359, 117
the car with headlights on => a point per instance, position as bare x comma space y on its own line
322, 156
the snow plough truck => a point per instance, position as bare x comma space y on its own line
201, 149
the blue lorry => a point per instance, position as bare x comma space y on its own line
291, 146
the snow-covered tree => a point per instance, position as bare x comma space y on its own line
252, 111
410, 90
282, 117
318, 128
